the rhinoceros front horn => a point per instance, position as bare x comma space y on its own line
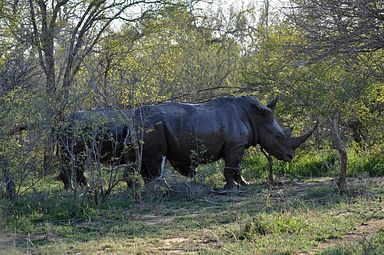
297, 141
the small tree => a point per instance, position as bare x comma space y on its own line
309, 90
62, 34
333, 27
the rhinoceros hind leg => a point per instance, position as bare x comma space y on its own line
154, 167
80, 177
64, 176
129, 170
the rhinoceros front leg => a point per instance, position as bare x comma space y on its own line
239, 178
232, 171
229, 174
233, 177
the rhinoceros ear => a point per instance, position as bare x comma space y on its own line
271, 105
263, 111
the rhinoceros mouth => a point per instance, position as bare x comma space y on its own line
279, 156
286, 157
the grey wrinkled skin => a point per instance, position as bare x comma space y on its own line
193, 134
105, 135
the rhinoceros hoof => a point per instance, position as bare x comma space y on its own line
244, 183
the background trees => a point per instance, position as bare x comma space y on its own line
323, 58
168, 56
347, 34
337, 27
316, 59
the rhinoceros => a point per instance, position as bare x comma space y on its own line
222, 128
105, 135
191, 134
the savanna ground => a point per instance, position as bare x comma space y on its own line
296, 216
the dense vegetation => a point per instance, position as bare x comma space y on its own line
324, 59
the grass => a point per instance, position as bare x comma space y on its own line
292, 217
370, 245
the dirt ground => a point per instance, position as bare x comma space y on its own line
5, 241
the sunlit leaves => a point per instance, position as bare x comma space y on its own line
167, 56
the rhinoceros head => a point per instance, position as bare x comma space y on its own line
274, 139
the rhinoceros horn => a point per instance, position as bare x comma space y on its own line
297, 141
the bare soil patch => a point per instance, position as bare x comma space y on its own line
174, 240
151, 219
175, 245
362, 231
5, 241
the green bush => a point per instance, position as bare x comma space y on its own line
306, 164
274, 224
316, 163
369, 163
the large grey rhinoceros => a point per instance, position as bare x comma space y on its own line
191, 134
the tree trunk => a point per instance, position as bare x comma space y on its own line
48, 154
43, 38
136, 138
337, 143
343, 170
8, 180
